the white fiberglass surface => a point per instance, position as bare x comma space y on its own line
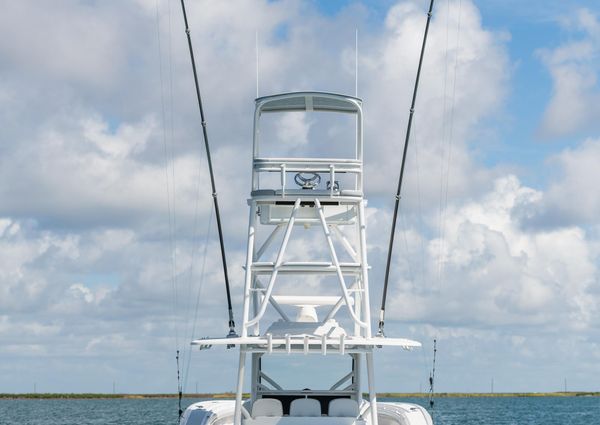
308, 134
302, 372
342, 181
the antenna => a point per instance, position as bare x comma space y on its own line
356, 63
256, 50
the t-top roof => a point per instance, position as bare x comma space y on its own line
309, 101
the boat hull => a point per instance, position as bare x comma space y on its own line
220, 412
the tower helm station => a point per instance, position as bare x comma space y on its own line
300, 199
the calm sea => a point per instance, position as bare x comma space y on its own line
448, 411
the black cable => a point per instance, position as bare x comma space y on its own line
393, 231
212, 177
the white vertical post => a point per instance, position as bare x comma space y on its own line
283, 172
331, 179
357, 305
249, 256
357, 378
359, 146
255, 148
255, 303
364, 266
237, 416
372, 393
254, 378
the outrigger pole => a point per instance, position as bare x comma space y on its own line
212, 176
410, 118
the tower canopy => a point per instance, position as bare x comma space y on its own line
308, 101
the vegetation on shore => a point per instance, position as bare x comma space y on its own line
462, 395
231, 395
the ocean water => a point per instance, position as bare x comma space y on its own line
447, 411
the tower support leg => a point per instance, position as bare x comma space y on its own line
372, 393
237, 417
249, 259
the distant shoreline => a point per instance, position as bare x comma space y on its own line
231, 395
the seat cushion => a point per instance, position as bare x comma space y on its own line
267, 407
343, 407
305, 407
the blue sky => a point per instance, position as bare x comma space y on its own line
529, 26
506, 276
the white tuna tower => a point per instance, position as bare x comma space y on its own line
287, 197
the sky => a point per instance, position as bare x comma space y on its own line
108, 250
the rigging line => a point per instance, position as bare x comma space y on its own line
171, 144
195, 234
171, 97
421, 225
393, 230
170, 210
194, 249
442, 143
451, 130
408, 260
172, 141
200, 285
231, 322
168, 190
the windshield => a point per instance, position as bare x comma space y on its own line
308, 134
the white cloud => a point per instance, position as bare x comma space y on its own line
85, 267
497, 274
571, 197
475, 65
574, 69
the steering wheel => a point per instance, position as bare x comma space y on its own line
307, 180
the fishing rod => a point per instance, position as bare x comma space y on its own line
432, 376
179, 387
397, 203
231, 322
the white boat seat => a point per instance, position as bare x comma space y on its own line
291, 420
343, 407
267, 407
305, 407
